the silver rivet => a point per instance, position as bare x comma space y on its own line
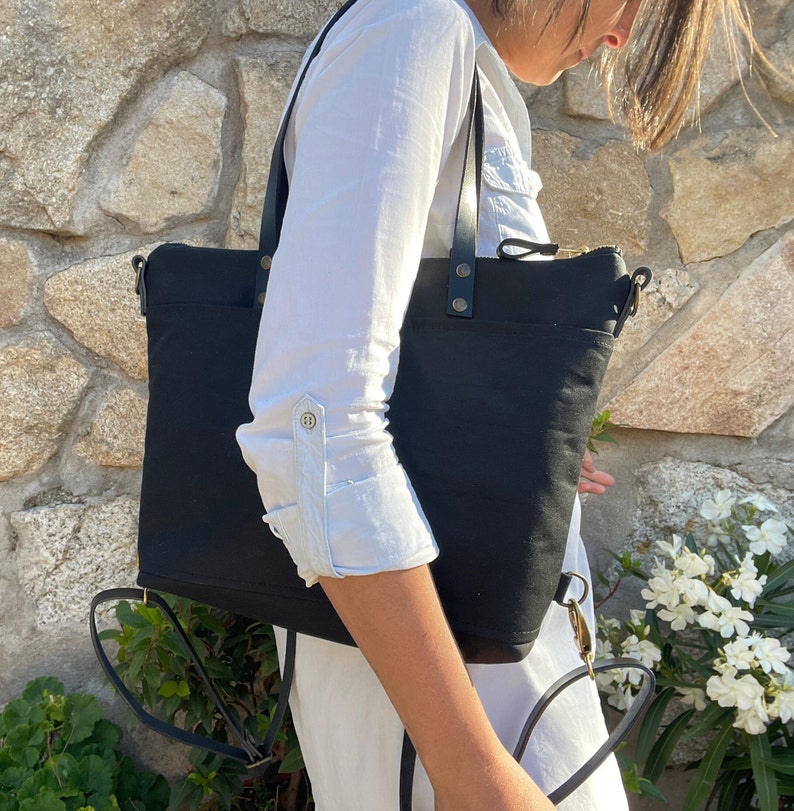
261, 298
463, 271
459, 305
308, 420
265, 262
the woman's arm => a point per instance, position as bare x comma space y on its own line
397, 622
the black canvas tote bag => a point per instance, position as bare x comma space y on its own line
501, 362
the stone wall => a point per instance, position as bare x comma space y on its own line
127, 124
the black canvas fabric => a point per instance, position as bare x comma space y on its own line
490, 417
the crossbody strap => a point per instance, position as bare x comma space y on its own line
249, 751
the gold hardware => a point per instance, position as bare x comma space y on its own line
146, 596
265, 262
573, 251
584, 641
460, 305
581, 631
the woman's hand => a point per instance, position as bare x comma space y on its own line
500, 786
592, 480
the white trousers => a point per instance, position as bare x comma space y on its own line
351, 737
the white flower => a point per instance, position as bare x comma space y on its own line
771, 655
745, 585
725, 617
720, 507
717, 535
603, 649
679, 617
661, 590
739, 654
644, 651
693, 591
760, 502
637, 618
783, 707
622, 698
728, 691
769, 537
752, 721
691, 564
673, 550
610, 625
694, 696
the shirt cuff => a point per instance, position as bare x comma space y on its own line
374, 525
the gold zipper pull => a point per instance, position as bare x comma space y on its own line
574, 251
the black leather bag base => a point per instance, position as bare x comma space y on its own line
209, 543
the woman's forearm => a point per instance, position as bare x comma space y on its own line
398, 623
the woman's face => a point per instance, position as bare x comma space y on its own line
537, 55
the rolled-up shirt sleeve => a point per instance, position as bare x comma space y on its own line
373, 125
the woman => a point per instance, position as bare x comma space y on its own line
374, 151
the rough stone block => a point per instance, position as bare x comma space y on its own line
728, 187
96, 302
16, 281
671, 491
668, 292
68, 65
117, 434
174, 169
66, 554
584, 93
264, 86
41, 384
780, 80
730, 373
295, 18
592, 199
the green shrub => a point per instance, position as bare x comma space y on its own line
57, 753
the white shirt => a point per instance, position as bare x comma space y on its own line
374, 154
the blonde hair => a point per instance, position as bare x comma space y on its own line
653, 80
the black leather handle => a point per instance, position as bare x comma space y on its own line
464, 242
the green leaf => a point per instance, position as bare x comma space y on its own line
763, 773
651, 722
129, 617
45, 800
779, 577
20, 711
82, 714
39, 780
94, 776
711, 718
13, 777
782, 760
648, 789
664, 746
779, 609
106, 734
37, 689
703, 782
293, 761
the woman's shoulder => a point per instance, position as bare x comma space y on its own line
430, 20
